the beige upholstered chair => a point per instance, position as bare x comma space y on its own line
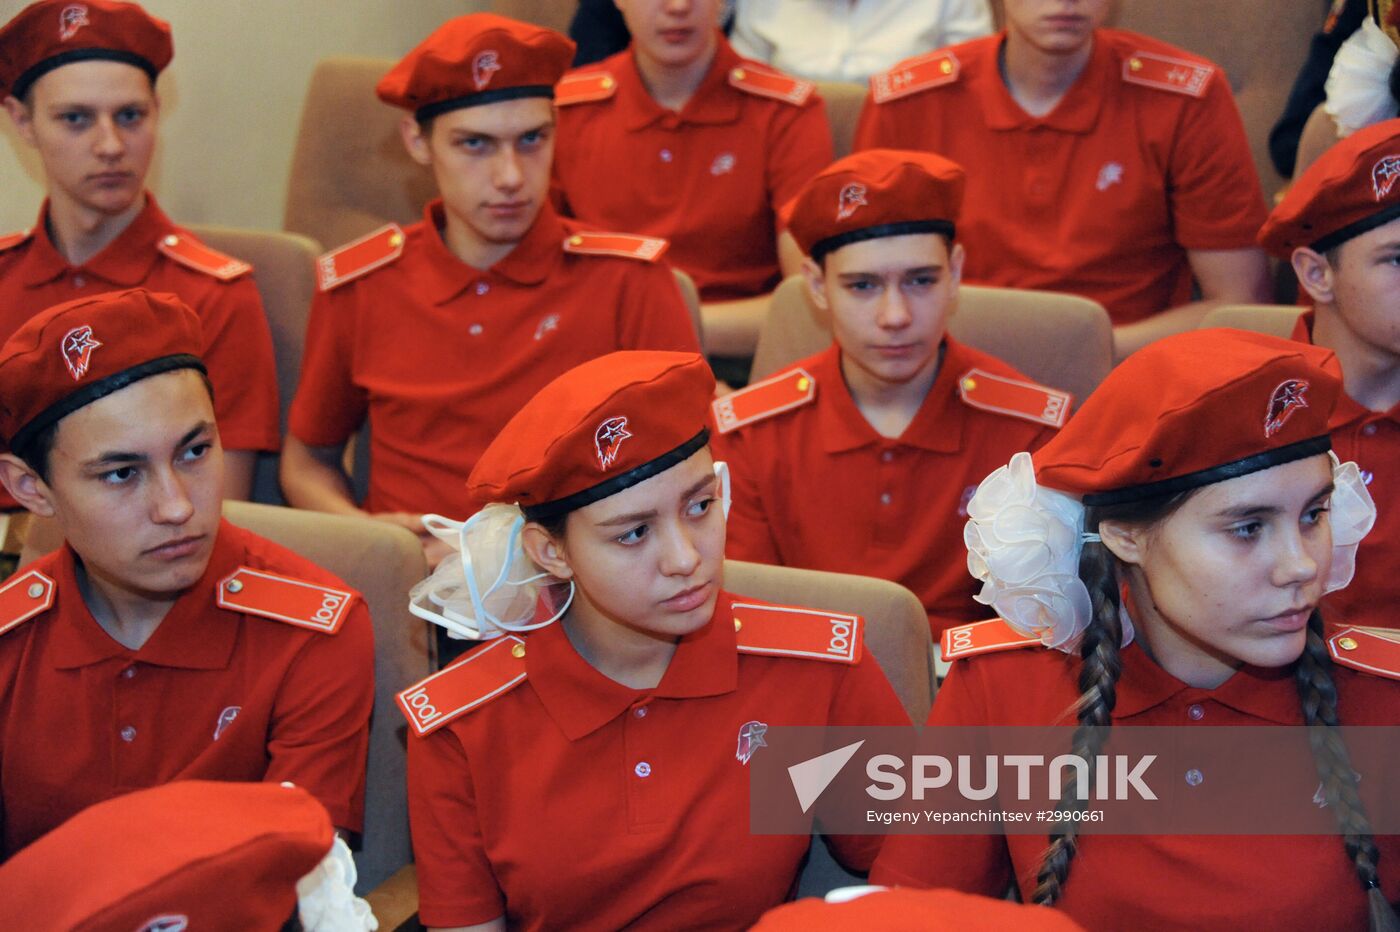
382, 562
1060, 340
284, 268
1319, 133
1276, 319
350, 172
553, 14
843, 103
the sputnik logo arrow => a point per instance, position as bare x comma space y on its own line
811, 777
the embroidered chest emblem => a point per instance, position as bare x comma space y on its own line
548, 325
77, 348
168, 923
226, 718
723, 164
1286, 399
608, 438
750, 740
1110, 175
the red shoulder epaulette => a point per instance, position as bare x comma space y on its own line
773, 395
584, 88
627, 245
476, 679
360, 257
1014, 397
1165, 73
193, 254
11, 240
783, 631
284, 598
23, 597
1373, 650
774, 84
914, 75
983, 637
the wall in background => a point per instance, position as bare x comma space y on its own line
231, 100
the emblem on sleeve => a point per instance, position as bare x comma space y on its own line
608, 438
77, 348
1383, 175
1286, 399
750, 740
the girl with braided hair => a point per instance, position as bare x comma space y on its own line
1171, 545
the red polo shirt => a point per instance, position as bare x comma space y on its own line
1103, 195
1282, 882
569, 769
237, 343
709, 178
215, 694
439, 355
1372, 440
816, 486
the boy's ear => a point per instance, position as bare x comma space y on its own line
25, 486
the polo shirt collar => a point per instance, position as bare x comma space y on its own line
937, 427
1077, 112
125, 262
1266, 694
714, 101
581, 700
1348, 410
531, 261
194, 635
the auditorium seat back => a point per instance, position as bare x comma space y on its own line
284, 269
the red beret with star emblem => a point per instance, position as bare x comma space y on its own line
53, 33
75, 353
873, 194
1353, 187
477, 59
193, 854
597, 429
1193, 409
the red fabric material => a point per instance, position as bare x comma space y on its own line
914, 911
595, 422
809, 484
224, 857
49, 28
68, 702
66, 348
473, 54
873, 188
1046, 208
1191, 402
1284, 882
711, 178
668, 846
236, 343
439, 355
1356, 178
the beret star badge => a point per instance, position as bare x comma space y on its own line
852, 198
1384, 174
484, 66
77, 348
1286, 399
70, 20
608, 438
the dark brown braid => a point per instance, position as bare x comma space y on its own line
1098, 682
1318, 693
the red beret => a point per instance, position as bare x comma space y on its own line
477, 59
52, 33
1193, 409
217, 855
75, 353
597, 429
914, 911
1353, 187
876, 193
